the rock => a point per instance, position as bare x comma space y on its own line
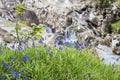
115, 40
2, 32
116, 50
29, 16
8, 38
106, 40
116, 44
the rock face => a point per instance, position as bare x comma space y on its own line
79, 18
62, 14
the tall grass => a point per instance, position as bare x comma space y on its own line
47, 63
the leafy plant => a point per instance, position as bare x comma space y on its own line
36, 30
19, 8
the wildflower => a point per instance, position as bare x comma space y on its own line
67, 43
95, 45
24, 78
7, 66
2, 76
3, 63
33, 44
78, 46
56, 42
41, 40
68, 35
20, 47
24, 42
24, 58
22, 71
14, 73
5, 44
82, 47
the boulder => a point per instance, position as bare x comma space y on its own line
29, 16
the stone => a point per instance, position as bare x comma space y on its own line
8, 38
29, 16
116, 50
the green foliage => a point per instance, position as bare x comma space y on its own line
102, 3
46, 63
36, 30
117, 2
116, 26
18, 8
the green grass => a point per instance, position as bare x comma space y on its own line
116, 26
45, 63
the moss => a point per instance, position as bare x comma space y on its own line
116, 26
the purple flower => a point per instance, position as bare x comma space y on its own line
24, 58
20, 47
77, 46
7, 66
67, 43
14, 73
22, 71
56, 42
5, 44
24, 78
68, 35
24, 42
3, 63
95, 45
41, 40
33, 44
2, 76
